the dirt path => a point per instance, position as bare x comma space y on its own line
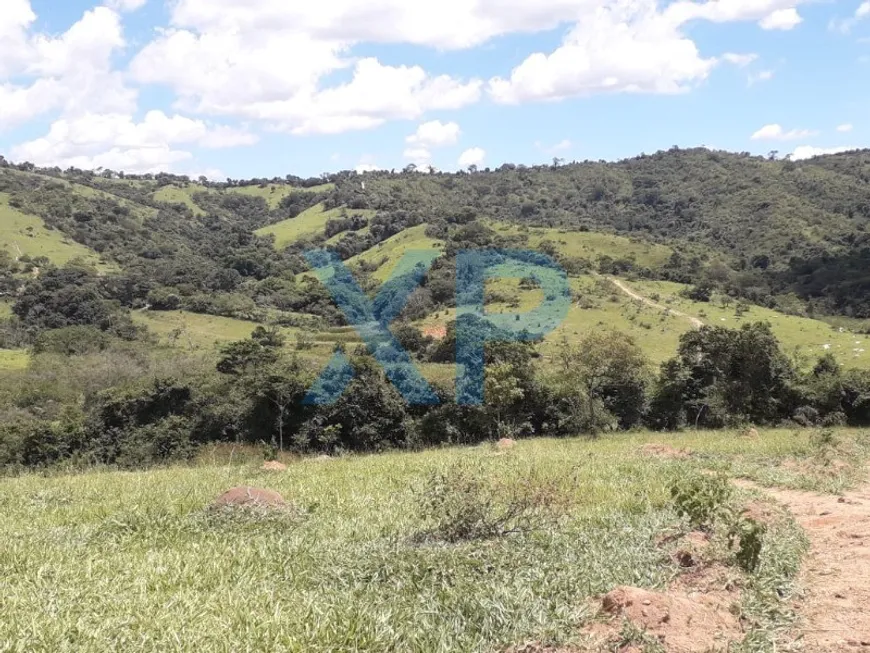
697, 323
835, 606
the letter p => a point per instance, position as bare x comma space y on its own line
474, 327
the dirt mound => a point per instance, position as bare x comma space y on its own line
274, 466
249, 497
683, 623
664, 451
505, 443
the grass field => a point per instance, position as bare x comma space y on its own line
177, 195
134, 561
588, 244
274, 193
388, 253
808, 338
21, 234
14, 359
306, 224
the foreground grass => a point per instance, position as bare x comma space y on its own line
134, 561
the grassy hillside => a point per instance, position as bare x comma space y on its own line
176, 195
346, 567
588, 244
308, 223
808, 337
274, 193
388, 253
186, 329
22, 234
13, 359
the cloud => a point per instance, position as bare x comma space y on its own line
367, 167
472, 157
626, 47
231, 74
783, 19
435, 134
762, 76
71, 73
419, 156
116, 141
446, 25
561, 146
808, 151
740, 60
845, 25
126, 5
775, 132
844, 128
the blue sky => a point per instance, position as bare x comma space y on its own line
246, 88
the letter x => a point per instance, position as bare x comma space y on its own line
371, 320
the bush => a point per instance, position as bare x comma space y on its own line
71, 341
703, 499
461, 504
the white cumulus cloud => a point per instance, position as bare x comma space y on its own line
435, 134
808, 151
775, 132
472, 157
115, 141
847, 127
784, 19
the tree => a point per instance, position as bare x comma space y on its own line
283, 384
606, 369
726, 375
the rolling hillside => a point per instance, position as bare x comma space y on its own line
27, 235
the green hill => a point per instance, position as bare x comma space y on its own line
22, 234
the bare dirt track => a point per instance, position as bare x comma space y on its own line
697, 323
835, 606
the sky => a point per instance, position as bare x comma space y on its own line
264, 88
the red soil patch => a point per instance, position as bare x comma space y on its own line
436, 332
684, 622
249, 497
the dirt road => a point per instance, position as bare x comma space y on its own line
697, 323
835, 607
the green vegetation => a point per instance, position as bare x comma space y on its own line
275, 193
177, 195
588, 244
27, 235
309, 223
13, 359
387, 254
348, 550
192, 329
